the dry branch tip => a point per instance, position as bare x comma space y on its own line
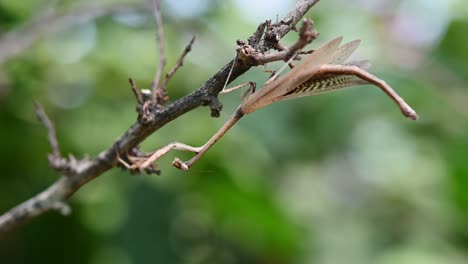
135, 91
162, 91
52, 136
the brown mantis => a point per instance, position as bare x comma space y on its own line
323, 71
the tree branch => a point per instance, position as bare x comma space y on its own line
86, 170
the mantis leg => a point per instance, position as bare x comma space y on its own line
220, 133
141, 163
366, 76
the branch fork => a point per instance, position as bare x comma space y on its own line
249, 54
68, 166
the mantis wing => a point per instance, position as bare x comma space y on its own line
344, 52
292, 79
323, 83
326, 83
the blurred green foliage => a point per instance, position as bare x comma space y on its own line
336, 178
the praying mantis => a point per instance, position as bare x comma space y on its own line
325, 70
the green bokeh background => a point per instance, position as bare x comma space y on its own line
336, 178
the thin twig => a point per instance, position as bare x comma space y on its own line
52, 136
135, 91
307, 34
180, 61
162, 56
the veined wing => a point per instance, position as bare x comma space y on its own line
344, 52
299, 74
326, 83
